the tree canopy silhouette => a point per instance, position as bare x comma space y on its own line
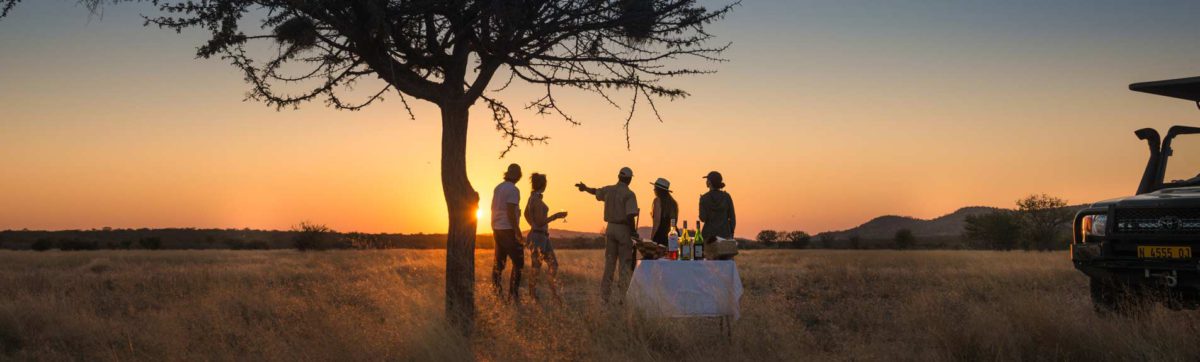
447, 52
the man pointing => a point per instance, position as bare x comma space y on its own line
620, 211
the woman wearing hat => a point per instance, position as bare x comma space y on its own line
664, 213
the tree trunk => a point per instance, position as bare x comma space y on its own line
461, 202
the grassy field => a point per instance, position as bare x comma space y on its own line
387, 305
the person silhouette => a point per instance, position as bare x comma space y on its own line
620, 212
540, 249
665, 211
716, 209
506, 228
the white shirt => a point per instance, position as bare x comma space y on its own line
505, 193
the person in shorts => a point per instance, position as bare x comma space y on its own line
540, 249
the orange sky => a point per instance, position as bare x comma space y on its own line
826, 115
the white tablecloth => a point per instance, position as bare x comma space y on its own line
674, 288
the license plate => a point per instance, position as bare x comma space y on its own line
1164, 252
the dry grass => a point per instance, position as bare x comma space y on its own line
347, 305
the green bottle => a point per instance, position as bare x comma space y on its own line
685, 243
698, 244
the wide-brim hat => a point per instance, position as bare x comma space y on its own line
662, 183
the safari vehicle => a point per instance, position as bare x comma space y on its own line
1145, 245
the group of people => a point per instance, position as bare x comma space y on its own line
620, 213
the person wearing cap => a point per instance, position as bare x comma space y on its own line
664, 213
620, 211
537, 214
716, 209
506, 227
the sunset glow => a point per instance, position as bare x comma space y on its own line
824, 118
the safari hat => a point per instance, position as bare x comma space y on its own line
662, 183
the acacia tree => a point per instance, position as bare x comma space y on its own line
767, 237
447, 52
1045, 219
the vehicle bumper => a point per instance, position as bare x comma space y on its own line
1176, 274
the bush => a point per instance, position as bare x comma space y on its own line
76, 244
42, 245
905, 239
236, 244
768, 236
799, 239
367, 241
1044, 219
827, 240
151, 243
310, 236
998, 230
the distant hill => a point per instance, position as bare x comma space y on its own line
885, 227
942, 227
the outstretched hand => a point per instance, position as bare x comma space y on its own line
560, 215
581, 186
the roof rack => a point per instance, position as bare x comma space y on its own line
1182, 88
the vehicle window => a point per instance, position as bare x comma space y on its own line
1184, 163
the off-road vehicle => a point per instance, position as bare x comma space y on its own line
1145, 245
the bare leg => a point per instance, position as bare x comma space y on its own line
536, 261
552, 270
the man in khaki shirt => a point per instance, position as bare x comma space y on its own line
620, 211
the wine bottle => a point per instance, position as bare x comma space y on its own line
685, 243
673, 242
698, 245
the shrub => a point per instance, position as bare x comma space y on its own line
151, 243
827, 240
998, 230
310, 236
799, 239
367, 241
42, 245
236, 244
1044, 219
76, 244
768, 236
905, 239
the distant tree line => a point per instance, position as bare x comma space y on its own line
1040, 222
781, 239
304, 236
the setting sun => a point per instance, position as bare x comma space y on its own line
479, 214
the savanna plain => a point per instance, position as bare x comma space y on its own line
387, 305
